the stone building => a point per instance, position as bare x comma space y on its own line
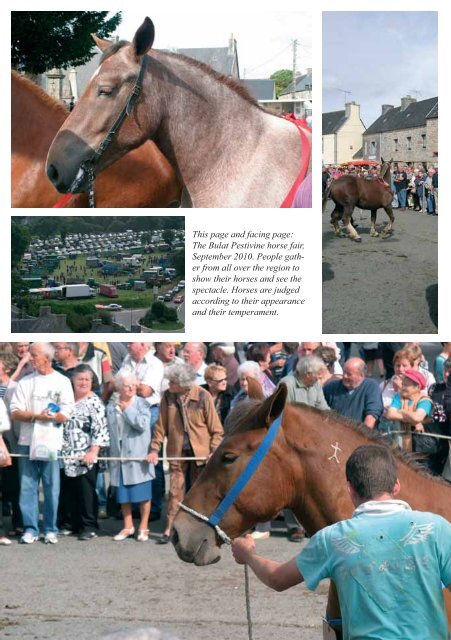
296, 98
342, 134
408, 133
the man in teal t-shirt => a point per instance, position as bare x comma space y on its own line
389, 563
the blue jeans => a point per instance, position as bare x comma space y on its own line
31, 473
402, 197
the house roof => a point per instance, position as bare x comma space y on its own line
332, 121
260, 89
218, 58
301, 84
413, 116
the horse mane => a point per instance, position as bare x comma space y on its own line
39, 93
409, 459
246, 408
232, 84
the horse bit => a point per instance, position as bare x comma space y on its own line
88, 166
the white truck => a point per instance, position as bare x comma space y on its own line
71, 291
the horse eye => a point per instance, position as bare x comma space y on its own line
228, 458
105, 91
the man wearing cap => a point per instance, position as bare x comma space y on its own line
411, 406
223, 353
355, 396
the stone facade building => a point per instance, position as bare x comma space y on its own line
408, 133
342, 134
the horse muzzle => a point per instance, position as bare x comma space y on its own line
195, 542
65, 163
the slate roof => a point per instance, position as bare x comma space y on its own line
332, 121
301, 84
217, 58
413, 116
260, 89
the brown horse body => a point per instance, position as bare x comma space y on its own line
143, 178
349, 192
227, 151
303, 470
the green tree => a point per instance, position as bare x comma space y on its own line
178, 260
42, 40
20, 240
283, 78
168, 236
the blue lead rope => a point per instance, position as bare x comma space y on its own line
247, 474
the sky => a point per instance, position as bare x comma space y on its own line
380, 57
264, 38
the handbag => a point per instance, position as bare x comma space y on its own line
45, 442
5, 458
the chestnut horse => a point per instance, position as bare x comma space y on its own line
304, 470
227, 151
35, 120
349, 192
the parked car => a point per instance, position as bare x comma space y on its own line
167, 297
113, 307
178, 299
160, 298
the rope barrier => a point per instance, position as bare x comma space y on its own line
109, 458
415, 433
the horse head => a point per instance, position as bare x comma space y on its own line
92, 136
196, 541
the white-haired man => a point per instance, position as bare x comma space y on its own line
194, 353
30, 406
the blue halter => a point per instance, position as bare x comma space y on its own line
246, 474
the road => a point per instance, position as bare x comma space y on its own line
83, 590
127, 317
381, 285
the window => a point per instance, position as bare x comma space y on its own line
409, 143
423, 138
373, 146
396, 144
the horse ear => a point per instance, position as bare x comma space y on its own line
144, 38
382, 160
254, 389
274, 405
102, 44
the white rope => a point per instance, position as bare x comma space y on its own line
225, 538
416, 433
109, 459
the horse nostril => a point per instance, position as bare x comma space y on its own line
52, 172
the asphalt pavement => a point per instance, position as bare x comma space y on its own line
78, 590
381, 285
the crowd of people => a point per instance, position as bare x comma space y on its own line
92, 422
414, 187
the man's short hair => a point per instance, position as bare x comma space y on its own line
371, 470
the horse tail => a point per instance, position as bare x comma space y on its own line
326, 195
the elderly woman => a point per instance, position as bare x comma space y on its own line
216, 383
128, 418
251, 369
83, 436
411, 407
189, 421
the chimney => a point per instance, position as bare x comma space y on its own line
309, 71
231, 51
352, 109
387, 107
407, 101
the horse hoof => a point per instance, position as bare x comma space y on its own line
358, 239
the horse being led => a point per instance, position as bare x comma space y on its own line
35, 120
227, 151
304, 470
349, 192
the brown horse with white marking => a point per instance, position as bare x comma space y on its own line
227, 151
350, 191
35, 120
303, 470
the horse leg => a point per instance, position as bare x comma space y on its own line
333, 612
389, 226
348, 224
373, 231
335, 217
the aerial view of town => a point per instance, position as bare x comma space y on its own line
102, 274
